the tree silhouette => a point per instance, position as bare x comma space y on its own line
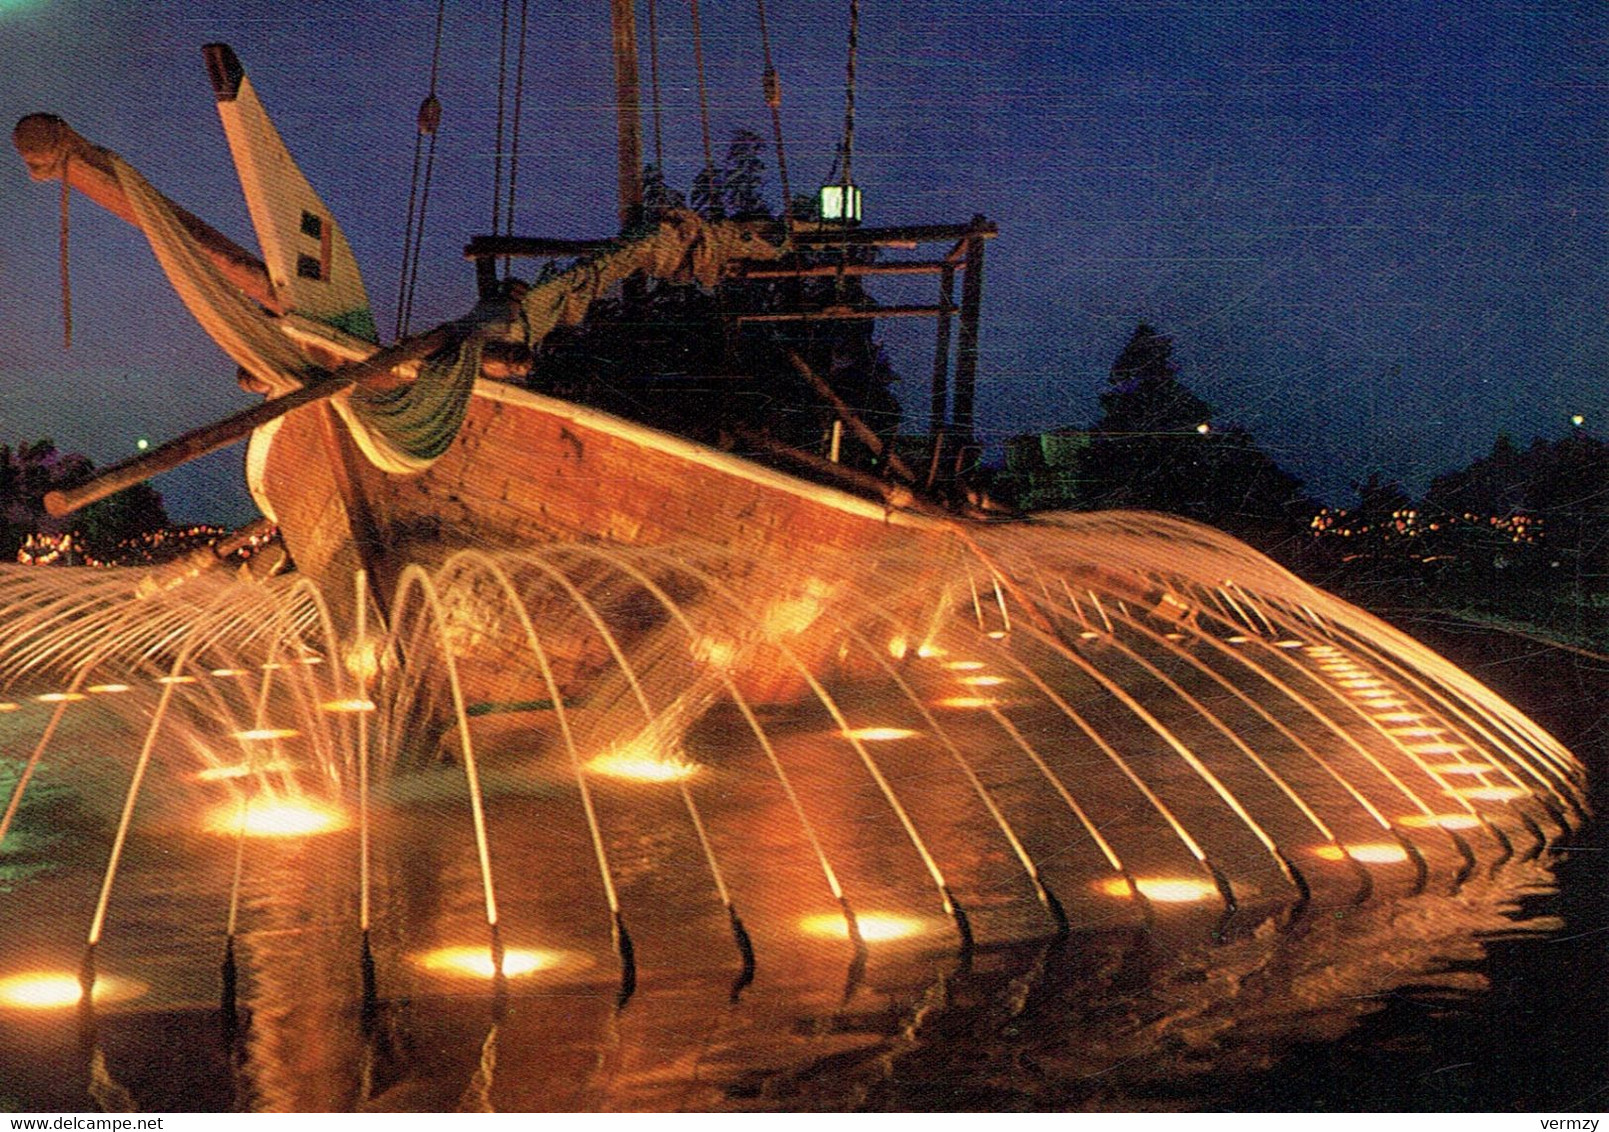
1156, 449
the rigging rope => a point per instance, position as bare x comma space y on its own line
704, 108
772, 86
429, 121
653, 75
519, 106
497, 145
849, 94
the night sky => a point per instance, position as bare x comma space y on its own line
1376, 232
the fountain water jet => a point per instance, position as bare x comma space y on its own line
1093, 724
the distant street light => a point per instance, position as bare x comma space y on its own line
1578, 420
1203, 428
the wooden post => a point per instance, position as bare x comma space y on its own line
966, 347
628, 111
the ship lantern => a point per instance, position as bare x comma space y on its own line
840, 203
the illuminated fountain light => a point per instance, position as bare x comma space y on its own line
1238, 639
56, 990
898, 647
1090, 635
1490, 793
60, 697
312, 659
997, 634
1441, 821
1463, 768
351, 706
229, 672
107, 689
1370, 853
8, 706
963, 665
1416, 732
276, 817
176, 679
874, 927
967, 702
983, 681
880, 734
633, 765
1174, 636
1288, 643
1163, 890
239, 770
1437, 749
1400, 716
476, 962
265, 734
929, 651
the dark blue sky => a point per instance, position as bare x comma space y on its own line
1376, 232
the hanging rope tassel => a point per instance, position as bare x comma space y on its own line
66, 278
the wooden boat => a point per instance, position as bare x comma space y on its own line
508, 467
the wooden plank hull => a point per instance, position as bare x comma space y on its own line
527, 472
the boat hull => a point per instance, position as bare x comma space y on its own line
528, 472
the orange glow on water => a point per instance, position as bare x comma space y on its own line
476, 962
874, 926
1370, 853
1163, 890
277, 817
880, 734
53, 990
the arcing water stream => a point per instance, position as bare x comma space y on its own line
578, 827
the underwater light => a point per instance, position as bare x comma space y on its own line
277, 818
1462, 768
963, 665
61, 697
1490, 793
176, 679
634, 766
880, 734
983, 681
53, 990
1441, 821
476, 962
1163, 890
9, 707
1370, 853
874, 927
107, 689
229, 672
265, 734
898, 647
967, 702
929, 651
352, 705
1288, 643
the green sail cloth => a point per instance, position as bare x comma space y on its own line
405, 430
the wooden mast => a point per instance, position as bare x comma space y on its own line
628, 110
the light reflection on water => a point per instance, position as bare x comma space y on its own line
1105, 1019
